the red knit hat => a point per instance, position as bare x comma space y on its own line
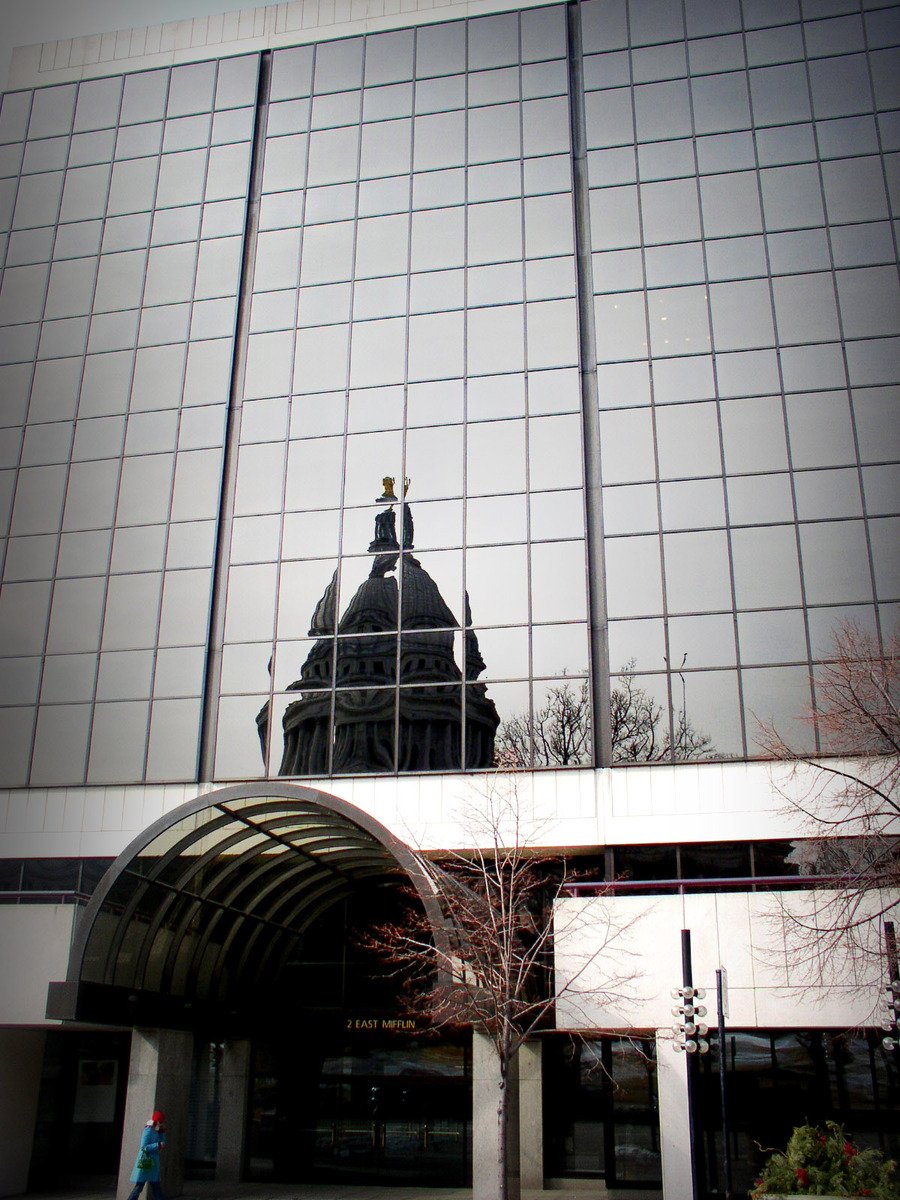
158, 1118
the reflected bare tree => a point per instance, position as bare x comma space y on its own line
848, 805
559, 732
557, 735
640, 727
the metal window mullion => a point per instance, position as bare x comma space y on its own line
210, 697
599, 663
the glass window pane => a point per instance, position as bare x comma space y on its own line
696, 566
805, 308
639, 711
780, 582
754, 500
688, 440
692, 505
741, 314
840, 86
60, 745
495, 457
98, 103
702, 641
730, 204
633, 576
662, 110
777, 696
835, 562
721, 102
869, 302
792, 197
497, 584
780, 94
706, 715
772, 637
820, 429
558, 590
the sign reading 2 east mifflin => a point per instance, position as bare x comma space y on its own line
370, 1024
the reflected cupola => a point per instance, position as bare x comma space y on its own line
396, 627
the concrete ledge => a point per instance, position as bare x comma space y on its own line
244, 31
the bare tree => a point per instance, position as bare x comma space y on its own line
559, 732
494, 972
848, 804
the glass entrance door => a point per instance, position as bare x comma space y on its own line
398, 1113
601, 1115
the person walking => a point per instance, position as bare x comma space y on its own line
146, 1165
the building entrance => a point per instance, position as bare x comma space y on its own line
362, 1107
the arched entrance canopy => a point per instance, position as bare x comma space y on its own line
197, 915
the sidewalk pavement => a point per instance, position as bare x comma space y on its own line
209, 1190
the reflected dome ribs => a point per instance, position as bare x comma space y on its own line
366, 713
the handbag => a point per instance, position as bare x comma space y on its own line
145, 1161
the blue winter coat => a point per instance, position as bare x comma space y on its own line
151, 1141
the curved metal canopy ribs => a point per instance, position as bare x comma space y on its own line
197, 916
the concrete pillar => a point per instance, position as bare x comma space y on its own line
531, 1115
234, 1092
485, 1098
21, 1061
159, 1077
674, 1119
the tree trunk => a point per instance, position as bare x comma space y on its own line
503, 1127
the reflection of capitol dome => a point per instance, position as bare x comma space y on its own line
366, 721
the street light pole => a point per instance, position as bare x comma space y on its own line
892, 991
689, 1037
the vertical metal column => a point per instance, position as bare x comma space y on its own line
590, 415
723, 1084
687, 975
210, 701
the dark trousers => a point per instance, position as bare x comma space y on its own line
155, 1191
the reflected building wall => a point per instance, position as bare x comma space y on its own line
419, 278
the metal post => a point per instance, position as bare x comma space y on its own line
687, 973
890, 941
726, 1146
891, 1026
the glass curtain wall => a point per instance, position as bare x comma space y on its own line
401, 565
742, 182
412, 361
778, 1079
123, 204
